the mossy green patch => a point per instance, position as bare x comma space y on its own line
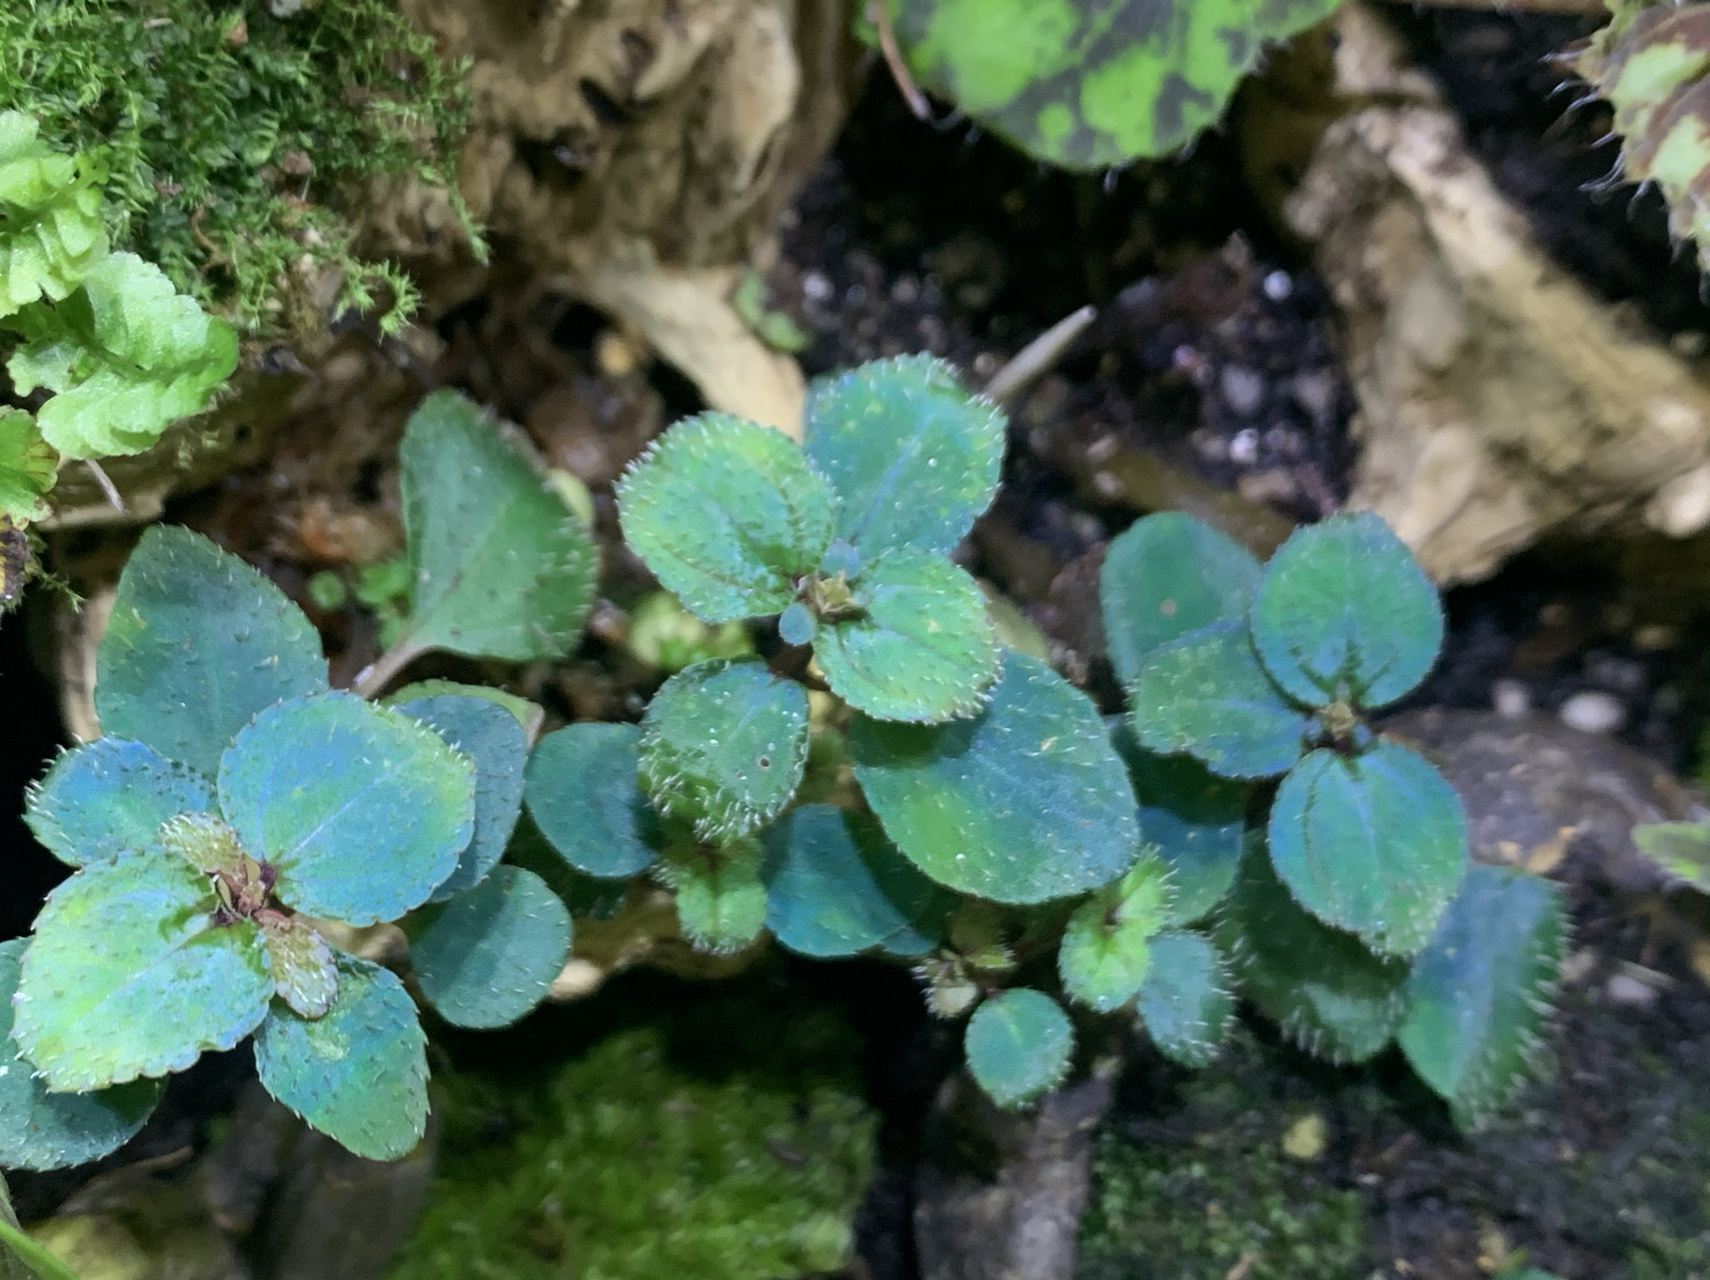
229, 139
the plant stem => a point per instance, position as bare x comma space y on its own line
1039, 355
107, 485
375, 677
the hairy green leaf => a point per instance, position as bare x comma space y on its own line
1019, 1044
835, 887
913, 457
1329, 994
129, 975
724, 745
500, 567
488, 733
362, 810
111, 796
922, 649
1480, 991
1105, 954
127, 355
358, 1074
528, 714
305, 975
50, 218
584, 795
197, 645
728, 515
1344, 612
1184, 1003
721, 901
1206, 693
1374, 843
29, 466
488, 956
1093, 84
204, 841
42, 1130
1680, 848
1164, 576
1195, 820
1025, 802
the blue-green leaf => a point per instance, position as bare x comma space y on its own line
582, 792
1206, 693
362, 810
500, 567
130, 975
1374, 843
728, 515
111, 796
1019, 1044
922, 649
1025, 802
488, 733
913, 457
528, 714
42, 1130
359, 1074
1480, 990
835, 887
1164, 576
197, 645
488, 957
1345, 612
1185, 1004
724, 745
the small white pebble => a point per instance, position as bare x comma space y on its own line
816, 286
1243, 389
1244, 448
1593, 712
1623, 988
1278, 286
1511, 698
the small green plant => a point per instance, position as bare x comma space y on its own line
236, 805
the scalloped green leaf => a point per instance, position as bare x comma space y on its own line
129, 975
362, 810
922, 649
1195, 820
1680, 848
501, 567
486, 958
1344, 612
1480, 992
197, 645
1019, 1044
359, 1074
1205, 693
836, 887
721, 900
111, 796
50, 217
1025, 802
1164, 576
724, 745
728, 515
1105, 954
528, 714
1185, 1002
126, 354
1329, 994
1374, 843
305, 975
29, 466
42, 1130
488, 733
583, 792
913, 457
1093, 84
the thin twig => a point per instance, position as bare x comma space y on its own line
880, 16
107, 486
1039, 355
376, 676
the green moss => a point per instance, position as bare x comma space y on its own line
624, 1165
230, 139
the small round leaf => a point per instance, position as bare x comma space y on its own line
582, 793
922, 650
1025, 802
796, 625
109, 797
359, 1074
488, 957
1374, 843
1019, 1044
721, 901
362, 810
1345, 611
728, 515
1185, 1002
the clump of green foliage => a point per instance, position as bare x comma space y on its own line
227, 138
